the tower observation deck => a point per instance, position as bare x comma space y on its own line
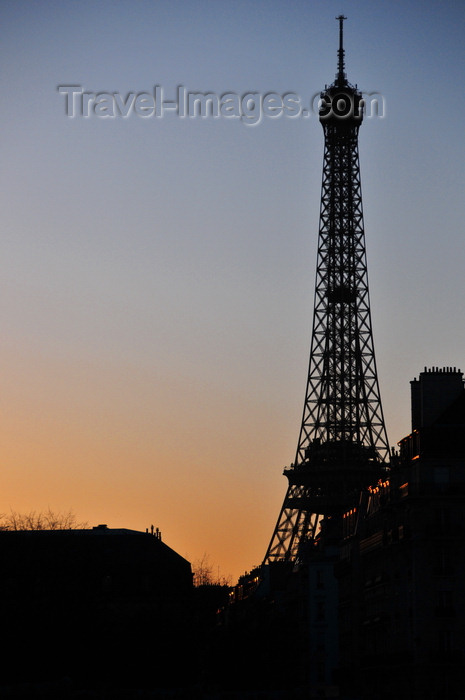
343, 445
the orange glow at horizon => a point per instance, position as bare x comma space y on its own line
120, 445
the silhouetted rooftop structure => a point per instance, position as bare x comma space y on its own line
112, 604
93, 560
401, 569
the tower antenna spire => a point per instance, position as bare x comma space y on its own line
340, 54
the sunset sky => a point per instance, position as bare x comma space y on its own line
157, 273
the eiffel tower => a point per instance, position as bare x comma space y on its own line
343, 445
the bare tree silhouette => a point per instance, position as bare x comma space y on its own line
41, 520
203, 573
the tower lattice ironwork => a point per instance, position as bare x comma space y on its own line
343, 444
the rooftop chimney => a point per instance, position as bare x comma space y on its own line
432, 393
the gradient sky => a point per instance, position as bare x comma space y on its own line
157, 275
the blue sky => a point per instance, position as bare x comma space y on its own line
158, 274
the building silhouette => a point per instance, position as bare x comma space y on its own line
104, 608
401, 567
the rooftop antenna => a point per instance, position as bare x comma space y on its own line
340, 54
